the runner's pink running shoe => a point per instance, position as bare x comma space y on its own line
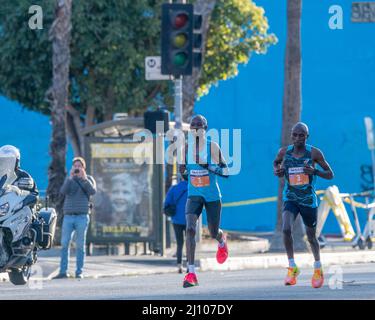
190, 280
291, 278
317, 278
222, 252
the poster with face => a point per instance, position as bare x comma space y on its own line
122, 204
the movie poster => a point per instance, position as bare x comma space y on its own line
122, 204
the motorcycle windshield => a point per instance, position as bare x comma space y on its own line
7, 174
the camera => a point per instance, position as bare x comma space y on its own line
76, 171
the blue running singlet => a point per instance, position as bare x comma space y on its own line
299, 186
202, 182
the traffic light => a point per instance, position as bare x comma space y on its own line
177, 39
197, 43
150, 118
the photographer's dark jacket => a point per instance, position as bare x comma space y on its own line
77, 192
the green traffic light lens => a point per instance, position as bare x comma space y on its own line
180, 40
180, 59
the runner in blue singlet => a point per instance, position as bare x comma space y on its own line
296, 164
203, 163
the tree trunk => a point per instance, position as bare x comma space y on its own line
73, 125
58, 96
108, 104
90, 116
291, 112
191, 83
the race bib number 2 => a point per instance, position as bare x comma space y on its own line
199, 178
297, 177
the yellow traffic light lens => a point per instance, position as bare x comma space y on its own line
180, 59
180, 40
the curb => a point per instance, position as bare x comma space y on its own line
249, 247
259, 261
4, 276
278, 260
117, 274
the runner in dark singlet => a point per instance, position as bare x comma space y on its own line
296, 164
204, 162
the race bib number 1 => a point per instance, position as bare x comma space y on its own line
199, 178
297, 177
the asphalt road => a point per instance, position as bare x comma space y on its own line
348, 282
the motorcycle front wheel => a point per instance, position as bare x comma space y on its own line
19, 276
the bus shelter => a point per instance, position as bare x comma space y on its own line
128, 204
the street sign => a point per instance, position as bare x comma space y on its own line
153, 69
370, 133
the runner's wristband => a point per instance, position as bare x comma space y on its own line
220, 171
204, 165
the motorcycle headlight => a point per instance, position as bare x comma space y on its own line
4, 209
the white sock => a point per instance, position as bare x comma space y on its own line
221, 243
191, 268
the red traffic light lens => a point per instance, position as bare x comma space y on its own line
180, 20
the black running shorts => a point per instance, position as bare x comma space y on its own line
194, 205
309, 215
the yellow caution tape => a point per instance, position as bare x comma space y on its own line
248, 202
338, 210
256, 201
274, 199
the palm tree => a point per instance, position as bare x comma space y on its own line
57, 95
291, 111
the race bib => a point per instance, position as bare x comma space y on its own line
297, 177
199, 178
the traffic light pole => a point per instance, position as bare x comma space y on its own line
178, 102
178, 113
178, 125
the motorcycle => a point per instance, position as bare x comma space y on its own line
23, 231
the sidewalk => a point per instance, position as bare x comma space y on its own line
99, 266
244, 254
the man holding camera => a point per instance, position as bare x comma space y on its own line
77, 189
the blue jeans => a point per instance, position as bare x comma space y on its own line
79, 224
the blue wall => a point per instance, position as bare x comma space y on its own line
338, 91
30, 132
338, 88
